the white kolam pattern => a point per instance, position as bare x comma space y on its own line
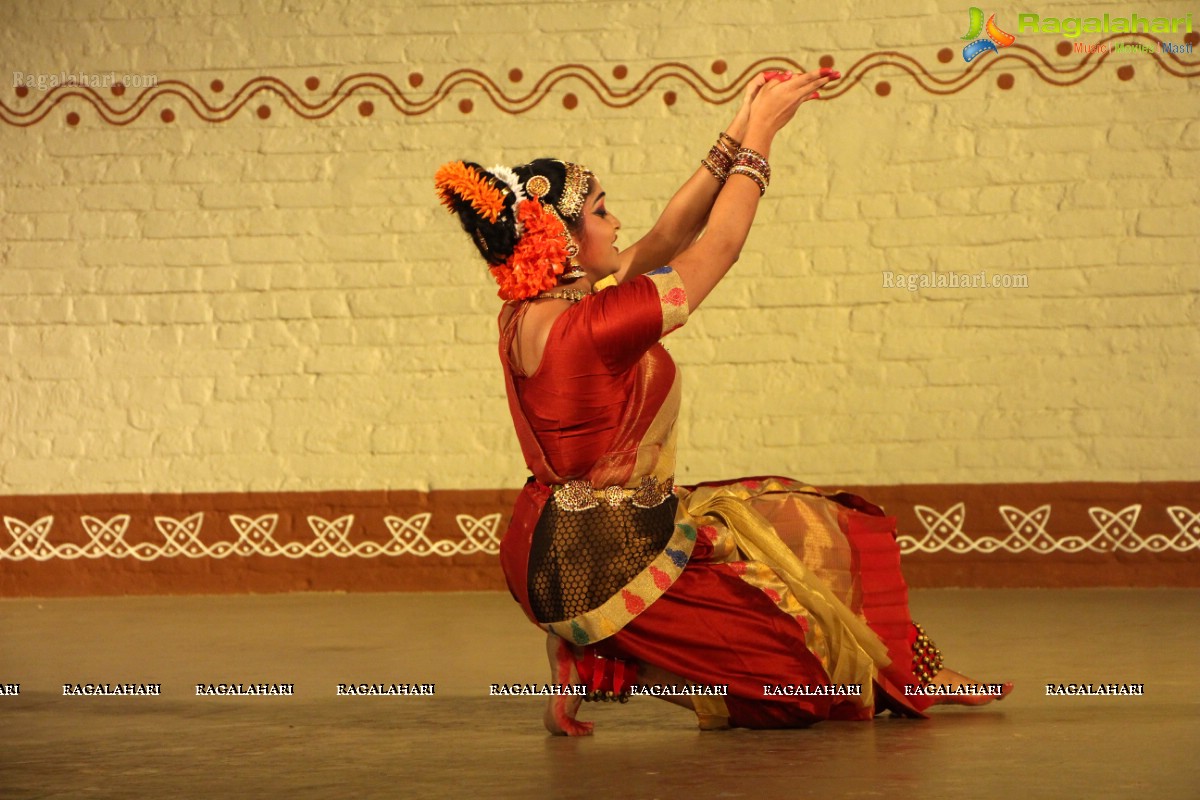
256, 536
944, 532
1115, 531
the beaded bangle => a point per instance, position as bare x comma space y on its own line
755, 159
720, 157
754, 166
717, 172
753, 175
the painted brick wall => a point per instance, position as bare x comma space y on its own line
270, 301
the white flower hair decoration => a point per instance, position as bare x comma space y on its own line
510, 179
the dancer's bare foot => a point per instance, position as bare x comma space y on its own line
952, 679
559, 718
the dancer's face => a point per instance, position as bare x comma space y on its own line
597, 239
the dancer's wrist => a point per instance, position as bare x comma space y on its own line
758, 138
736, 129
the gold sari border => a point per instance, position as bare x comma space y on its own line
847, 648
671, 296
635, 597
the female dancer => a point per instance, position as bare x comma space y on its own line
787, 598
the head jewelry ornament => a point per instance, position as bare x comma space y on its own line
544, 246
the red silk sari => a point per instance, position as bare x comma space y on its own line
763, 582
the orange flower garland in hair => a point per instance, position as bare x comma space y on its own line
539, 258
457, 179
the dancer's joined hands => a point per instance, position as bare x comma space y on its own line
774, 97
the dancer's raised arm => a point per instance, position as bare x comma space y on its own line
687, 212
703, 264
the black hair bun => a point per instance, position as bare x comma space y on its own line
484, 205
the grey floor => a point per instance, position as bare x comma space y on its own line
462, 743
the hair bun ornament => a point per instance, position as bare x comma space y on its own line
459, 183
522, 236
540, 256
538, 186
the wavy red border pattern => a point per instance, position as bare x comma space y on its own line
374, 86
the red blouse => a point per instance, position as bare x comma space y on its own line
602, 403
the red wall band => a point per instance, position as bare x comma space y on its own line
978, 535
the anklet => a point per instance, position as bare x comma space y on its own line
927, 659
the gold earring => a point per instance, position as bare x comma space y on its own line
576, 271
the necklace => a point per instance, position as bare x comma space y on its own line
571, 295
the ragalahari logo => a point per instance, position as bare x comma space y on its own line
996, 38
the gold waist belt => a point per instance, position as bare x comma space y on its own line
578, 495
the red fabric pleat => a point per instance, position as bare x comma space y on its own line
876, 562
517, 540
713, 628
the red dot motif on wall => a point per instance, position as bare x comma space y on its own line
581, 84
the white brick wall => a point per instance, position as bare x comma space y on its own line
280, 304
